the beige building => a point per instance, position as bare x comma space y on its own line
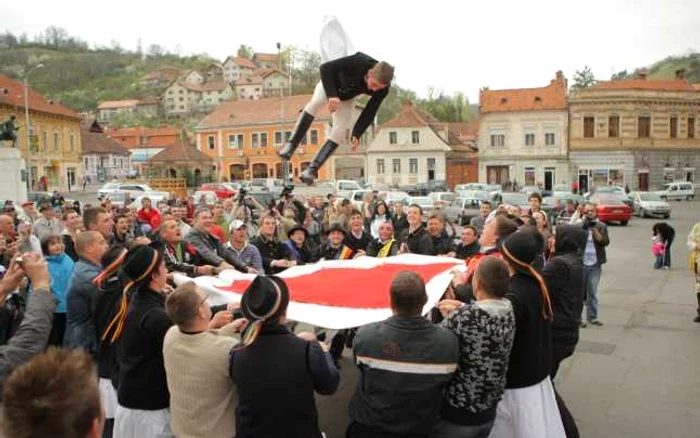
236, 68
110, 108
183, 98
54, 152
274, 82
523, 136
639, 132
249, 87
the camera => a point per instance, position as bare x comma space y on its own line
242, 193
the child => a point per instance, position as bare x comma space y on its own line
60, 268
658, 249
485, 329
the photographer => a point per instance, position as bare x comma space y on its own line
593, 259
33, 333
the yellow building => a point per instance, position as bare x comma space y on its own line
54, 154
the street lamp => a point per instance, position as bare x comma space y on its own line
26, 119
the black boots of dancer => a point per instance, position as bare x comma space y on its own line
300, 129
311, 172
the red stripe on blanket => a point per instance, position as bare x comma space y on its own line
344, 287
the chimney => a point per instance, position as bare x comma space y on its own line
559, 79
680, 74
642, 74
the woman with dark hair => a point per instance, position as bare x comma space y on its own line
528, 407
140, 327
380, 214
415, 239
276, 373
60, 268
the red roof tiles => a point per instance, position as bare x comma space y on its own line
12, 93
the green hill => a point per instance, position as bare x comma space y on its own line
81, 79
667, 67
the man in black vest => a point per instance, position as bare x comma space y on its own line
342, 80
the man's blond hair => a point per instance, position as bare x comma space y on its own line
383, 72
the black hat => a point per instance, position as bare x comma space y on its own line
296, 228
335, 226
266, 299
141, 261
521, 247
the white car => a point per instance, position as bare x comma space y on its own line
134, 191
396, 196
425, 203
677, 191
650, 204
207, 198
441, 199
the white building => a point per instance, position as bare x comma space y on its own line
236, 67
409, 149
109, 108
523, 136
103, 158
182, 98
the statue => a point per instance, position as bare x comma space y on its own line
8, 130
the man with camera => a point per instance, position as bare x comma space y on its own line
593, 259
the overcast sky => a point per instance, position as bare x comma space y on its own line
449, 45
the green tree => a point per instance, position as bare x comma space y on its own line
620, 76
245, 51
583, 78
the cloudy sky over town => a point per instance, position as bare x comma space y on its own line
448, 45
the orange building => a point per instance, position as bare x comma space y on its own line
243, 137
140, 137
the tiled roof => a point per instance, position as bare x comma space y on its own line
208, 86
645, 84
98, 143
265, 72
249, 80
255, 112
116, 104
12, 93
466, 130
181, 151
409, 117
265, 57
149, 101
696, 87
551, 97
242, 62
143, 132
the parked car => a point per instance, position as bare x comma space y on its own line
514, 198
205, 197
530, 189
38, 197
461, 210
393, 196
615, 191
441, 199
424, 202
135, 190
678, 191
611, 209
425, 188
119, 199
222, 190
650, 204
554, 204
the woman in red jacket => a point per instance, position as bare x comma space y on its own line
148, 216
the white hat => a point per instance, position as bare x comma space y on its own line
236, 225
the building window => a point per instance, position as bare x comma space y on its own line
644, 127
210, 142
255, 140
56, 142
278, 138
529, 176
415, 137
549, 139
232, 143
86, 162
614, 126
287, 135
72, 143
396, 166
498, 140
239, 141
588, 127
413, 166
263, 139
673, 127
314, 136
380, 166
691, 127
529, 139
45, 141
392, 137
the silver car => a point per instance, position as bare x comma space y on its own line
650, 204
461, 210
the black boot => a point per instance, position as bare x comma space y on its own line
697, 318
303, 125
311, 173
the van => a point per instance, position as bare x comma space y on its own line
678, 191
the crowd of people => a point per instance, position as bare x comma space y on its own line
100, 285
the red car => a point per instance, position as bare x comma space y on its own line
221, 190
612, 209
